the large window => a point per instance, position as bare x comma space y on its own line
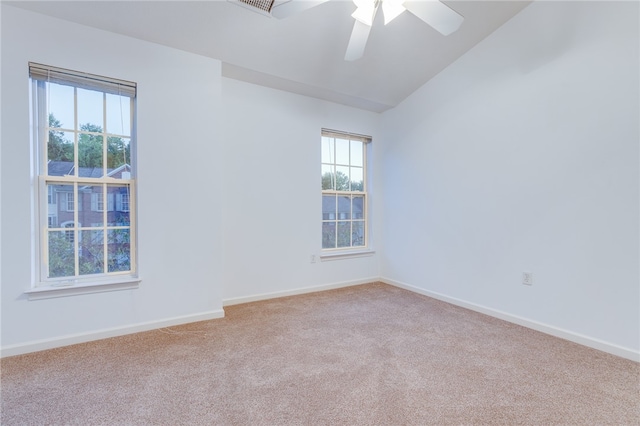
83, 144
344, 191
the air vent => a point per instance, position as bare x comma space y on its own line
263, 7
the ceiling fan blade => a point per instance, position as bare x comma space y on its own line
440, 16
291, 7
358, 41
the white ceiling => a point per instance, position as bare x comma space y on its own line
303, 53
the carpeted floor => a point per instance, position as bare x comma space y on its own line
365, 355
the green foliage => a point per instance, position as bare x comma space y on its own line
344, 234
357, 186
341, 182
118, 152
91, 261
119, 250
61, 256
328, 235
90, 147
58, 148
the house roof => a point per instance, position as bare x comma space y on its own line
344, 205
65, 168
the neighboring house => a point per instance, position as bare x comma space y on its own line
92, 199
342, 221
344, 208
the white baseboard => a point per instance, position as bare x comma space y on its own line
72, 339
538, 326
295, 292
40, 345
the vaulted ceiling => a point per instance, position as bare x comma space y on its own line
303, 53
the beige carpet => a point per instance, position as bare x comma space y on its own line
364, 355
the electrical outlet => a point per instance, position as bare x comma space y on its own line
313, 258
527, 278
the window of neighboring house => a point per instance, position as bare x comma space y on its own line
97, 201
344, 191
83, 137
70, 236
70, 202
122, 202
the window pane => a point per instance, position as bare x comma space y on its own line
91, 202
357, 233
90, 110
358, 207
344, 207
328, 177
61, 254
90, 155
118, 155
91, 252
61, 106
342, 178
328, 150
119, 254
60, 204
342, 151
328, 235
118, 115
53, 197
60, 148
357, 178
356, 153
344, 234
119, 197
328, 207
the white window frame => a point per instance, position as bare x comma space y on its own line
44, 286
334, 253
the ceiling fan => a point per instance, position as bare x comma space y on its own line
440, 16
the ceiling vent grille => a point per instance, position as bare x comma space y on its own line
261, 6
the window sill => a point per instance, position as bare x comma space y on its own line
48, 291
346, 254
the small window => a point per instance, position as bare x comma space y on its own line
344, 190
122, 202
69, 201
70, 236
97, 201
84, 144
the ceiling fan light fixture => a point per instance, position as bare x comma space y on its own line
391, 9
365, 13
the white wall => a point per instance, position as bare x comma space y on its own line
180, 233
273, 205
229, 188
523, 156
